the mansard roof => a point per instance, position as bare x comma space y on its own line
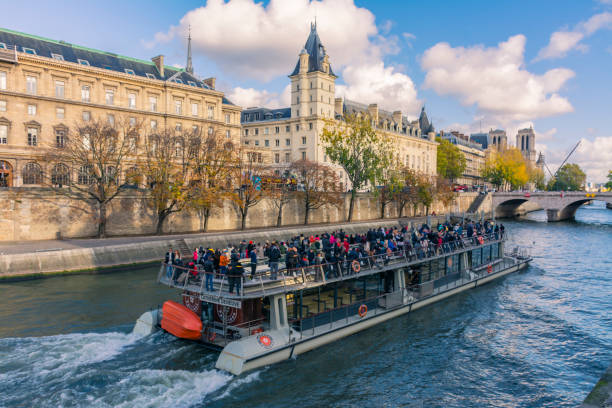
316, 52
353, 108
424, 123
63, 51
264, 114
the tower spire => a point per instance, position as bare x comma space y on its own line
189, 66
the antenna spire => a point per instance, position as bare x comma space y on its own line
189, 66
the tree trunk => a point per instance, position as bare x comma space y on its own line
352, 205
161, 217
206, 217
279, 219
400, 210
306, 211
383, 206
244, 213
101, 220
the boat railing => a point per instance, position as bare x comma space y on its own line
224, 284
221, 333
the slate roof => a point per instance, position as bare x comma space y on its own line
480, 138
264, 114
424, 123
45, 47
351, 107
316, 51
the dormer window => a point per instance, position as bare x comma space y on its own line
150, 76
83, 62
130, 71
58, 57
3, 45
191, 83
30, 51
178, 81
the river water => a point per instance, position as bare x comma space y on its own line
538, 338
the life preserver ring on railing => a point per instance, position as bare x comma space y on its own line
489, 269
363, 310
356, 266
480, 240
211, 335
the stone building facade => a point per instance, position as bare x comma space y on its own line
48, 86
293, 133
525, 142
475, 157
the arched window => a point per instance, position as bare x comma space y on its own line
32, 174
60, 175
6, 174
86, 175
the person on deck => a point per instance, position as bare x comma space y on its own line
253, 256
274, 258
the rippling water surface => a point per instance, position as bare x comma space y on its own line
539, 338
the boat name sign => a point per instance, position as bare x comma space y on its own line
221, 301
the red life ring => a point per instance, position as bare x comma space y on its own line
363, 311
489, 269
356, 266
480, 240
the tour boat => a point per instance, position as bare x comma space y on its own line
272, 320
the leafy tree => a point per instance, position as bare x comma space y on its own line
426, 189
408, 194
248, 189
507, 169
167, 172
451, 162
96, 150
318, 186
354, 144
444, 191
570, 177
537, 177
390, 185
609, 183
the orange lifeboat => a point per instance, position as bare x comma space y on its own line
181, 321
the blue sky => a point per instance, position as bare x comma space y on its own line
399, 54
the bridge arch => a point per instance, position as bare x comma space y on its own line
570, 208
513, 207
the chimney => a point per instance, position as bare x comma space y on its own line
397, 117
373, 112
210, 82
338, 106
159, 63
304, 57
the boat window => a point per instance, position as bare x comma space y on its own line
281, 312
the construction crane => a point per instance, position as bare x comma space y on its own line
553, 176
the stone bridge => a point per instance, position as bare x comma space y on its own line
558, 205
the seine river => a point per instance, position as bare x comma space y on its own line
539, 338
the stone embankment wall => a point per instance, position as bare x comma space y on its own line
39, 214
39, 263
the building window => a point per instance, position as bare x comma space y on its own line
132, 100
303, 140
2, 80
153, 103
29, 50
60, 175
287, 128
310, 98
85, 175
86, 116
32, 110
110, 97
132, 121
228, 134
60, 138
130, 71
257, 143
256, 131
211, 112
150, 76
288, 142
60, 113
266, 131
195, 128
178, 107
194, 109
277, 129
192, 83
298, 113
32, 174
276, 157
111, 119
277, 143
85, 93
303, 155
3, 45
31, 85
266, 143
287, 157
227, 118
83, 62
3, 134
210, 130
246, 132
297, 128
2, 106
59, 89
310, 126
178, 127
153, 124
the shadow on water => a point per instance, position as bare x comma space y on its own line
538, 338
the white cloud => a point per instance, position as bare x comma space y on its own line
593, 156
409, 38
564, 41
547, 135
251, 97
249, 39
495, 80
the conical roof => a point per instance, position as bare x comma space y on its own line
316, 52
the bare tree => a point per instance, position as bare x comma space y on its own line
211, 160
166, 169
96, 150
318, 185
246, 182
408, 194
280, 190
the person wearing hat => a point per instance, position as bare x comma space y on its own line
274, 257
253, 256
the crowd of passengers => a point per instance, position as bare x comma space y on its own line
338, 252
